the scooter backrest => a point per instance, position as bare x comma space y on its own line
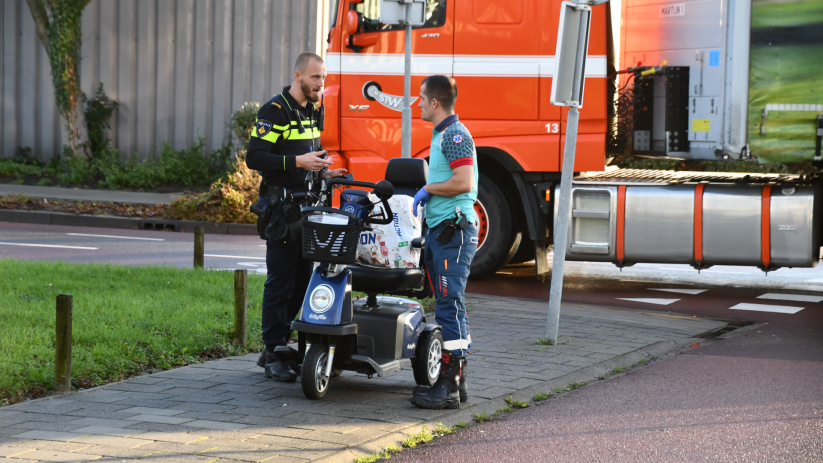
408, 175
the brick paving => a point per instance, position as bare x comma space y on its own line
228, 410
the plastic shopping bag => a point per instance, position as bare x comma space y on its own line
389, 246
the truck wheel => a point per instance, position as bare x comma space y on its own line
427, 358
315, 383
496, 234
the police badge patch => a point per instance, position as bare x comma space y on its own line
262, 127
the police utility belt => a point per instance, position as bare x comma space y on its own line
278, 214
451, 225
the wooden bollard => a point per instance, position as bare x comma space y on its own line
199, 246
241, 321
62, 342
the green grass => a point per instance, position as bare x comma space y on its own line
126, 320
516, 403
481, 417
540, 397
784, 74
504, 410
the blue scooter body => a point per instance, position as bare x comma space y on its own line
340, 310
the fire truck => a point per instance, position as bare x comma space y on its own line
502, 55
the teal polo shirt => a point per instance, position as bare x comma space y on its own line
452, 146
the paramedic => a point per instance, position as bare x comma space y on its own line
284, 146
451, 240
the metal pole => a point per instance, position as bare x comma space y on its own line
62, 344
561, 230
405, 146
241, 321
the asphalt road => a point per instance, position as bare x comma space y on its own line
756, 396
128, 247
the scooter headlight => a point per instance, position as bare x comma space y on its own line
321, 298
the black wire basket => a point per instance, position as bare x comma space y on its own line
330, 235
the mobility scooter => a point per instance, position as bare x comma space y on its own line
375, 335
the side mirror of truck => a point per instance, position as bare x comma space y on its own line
357, 38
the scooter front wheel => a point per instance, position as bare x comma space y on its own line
313, 379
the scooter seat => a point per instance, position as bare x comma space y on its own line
383, 280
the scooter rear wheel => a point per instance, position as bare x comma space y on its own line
313, 379
426, 365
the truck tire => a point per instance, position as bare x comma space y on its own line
496, 234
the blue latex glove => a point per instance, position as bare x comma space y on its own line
421, 198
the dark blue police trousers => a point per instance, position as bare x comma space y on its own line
286, 284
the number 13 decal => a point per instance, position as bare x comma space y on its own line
554, 127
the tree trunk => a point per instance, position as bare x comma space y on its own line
78, 132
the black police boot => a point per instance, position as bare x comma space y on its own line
444, 392
265, 357
279, 371
462, 389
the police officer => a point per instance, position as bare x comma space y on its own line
284, 146
451, 240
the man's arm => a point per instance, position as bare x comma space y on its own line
461, 182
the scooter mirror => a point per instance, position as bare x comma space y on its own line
384, 190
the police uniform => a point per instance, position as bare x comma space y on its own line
284, 130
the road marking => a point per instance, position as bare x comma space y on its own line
791, 297
767, 308
705, 271
46, 246
251, 264
679, 290
118, 237
649, 300
234, 257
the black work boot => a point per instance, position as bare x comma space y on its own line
462, 389
444, 392
265, 357
279, 371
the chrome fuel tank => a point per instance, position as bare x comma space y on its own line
710, 224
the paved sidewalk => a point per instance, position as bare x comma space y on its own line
227, 410
77, 194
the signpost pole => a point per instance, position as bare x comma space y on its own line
406, 113
567, 90
561, 230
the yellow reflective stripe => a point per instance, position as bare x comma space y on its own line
279, 127
295, 134
295, 123
271, 136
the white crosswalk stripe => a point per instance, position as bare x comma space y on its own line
767, 308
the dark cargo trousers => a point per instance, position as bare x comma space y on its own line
284, 290
448, 266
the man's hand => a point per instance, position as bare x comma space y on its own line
421, 198
312, 161
333, 173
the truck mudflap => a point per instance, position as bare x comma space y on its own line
696, 218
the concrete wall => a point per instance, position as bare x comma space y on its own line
178, 68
